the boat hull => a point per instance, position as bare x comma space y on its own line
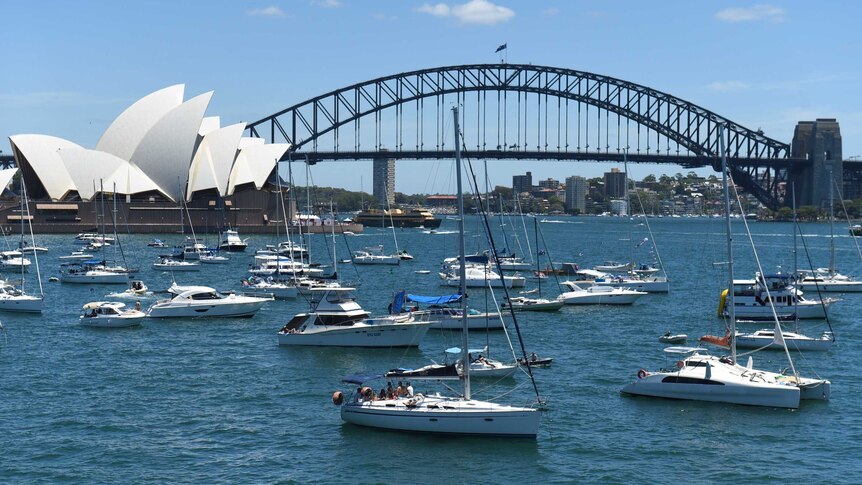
658, 286
113, 322
752, 394
813, 344
28, 304
239, 309
600, 299
395, 335
112, 278
457, 418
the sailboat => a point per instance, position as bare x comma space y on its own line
456, 415
640, 278
523, 303
697, 375
829, 279
765, 338
16, 299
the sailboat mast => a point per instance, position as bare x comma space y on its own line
538, 271
462, 261
730, 300
831, 226
628, 213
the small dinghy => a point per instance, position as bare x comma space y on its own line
535, 361
669, 338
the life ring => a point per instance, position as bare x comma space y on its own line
680, 364
642, 373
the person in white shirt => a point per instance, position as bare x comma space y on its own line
409, 389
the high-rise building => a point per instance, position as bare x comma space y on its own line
384, 181
615, 184
576, 194
522, 183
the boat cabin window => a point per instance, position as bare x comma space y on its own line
690, 380
205, 296
340, 320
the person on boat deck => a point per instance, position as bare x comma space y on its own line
382, 395
399, 391
359, 394
534, 357
138, 305
390, 393
409, 389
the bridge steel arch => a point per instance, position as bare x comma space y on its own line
672, 129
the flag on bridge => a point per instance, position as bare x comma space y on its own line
502, 47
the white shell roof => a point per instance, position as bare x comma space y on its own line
209, 124
93, 171
165, 153
254, 164
6, 176
129, 129
42, 153
214, 159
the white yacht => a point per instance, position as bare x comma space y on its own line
278, 289
168, 264
213, 258
612, 267
481, 277
92, 272
824, 280
375, 256
203, 301
765, 339
109, 314
13, 261
193, 249
512, 263
14, 300
337, 320
232, 242
285, 248
77, 255
693, 374
525, 304
434, 413
752, 303
648, 284
598, 295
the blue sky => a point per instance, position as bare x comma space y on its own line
69, 68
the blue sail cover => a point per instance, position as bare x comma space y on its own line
398, 302
435, 300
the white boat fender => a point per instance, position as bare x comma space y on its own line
750, 364
708, 371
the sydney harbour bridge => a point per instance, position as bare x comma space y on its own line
539, 113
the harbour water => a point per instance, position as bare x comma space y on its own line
217, 401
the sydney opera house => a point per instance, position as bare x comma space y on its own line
156, 154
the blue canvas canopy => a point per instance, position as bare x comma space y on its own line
457, 350
435, 300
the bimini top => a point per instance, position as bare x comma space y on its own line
684, 350
434, 300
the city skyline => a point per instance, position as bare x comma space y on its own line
743, 61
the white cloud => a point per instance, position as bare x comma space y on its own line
755, 13
439, 10
472, 12
728, 86
327, 3
782, 85
271, 11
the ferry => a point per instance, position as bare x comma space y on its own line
398, 218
